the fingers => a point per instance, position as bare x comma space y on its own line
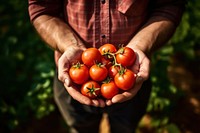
57, 55
127, 95
98, 103
63, 68
65, 60
143, 73
77, 95
136, 65
109, 102
144, 68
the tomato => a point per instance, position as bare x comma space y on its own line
106, 62
125, 56
98, 72
90, 89
112, 71
107, 48
91, 56
108, 51
79, 73
125, 79
109, 90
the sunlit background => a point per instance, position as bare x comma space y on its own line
27, 70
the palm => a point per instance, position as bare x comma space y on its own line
141, 69
64, 62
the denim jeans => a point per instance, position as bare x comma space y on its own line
123, 117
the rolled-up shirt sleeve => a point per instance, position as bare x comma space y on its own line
169, 9
41, 7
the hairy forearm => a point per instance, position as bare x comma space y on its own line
153, 35
57, 34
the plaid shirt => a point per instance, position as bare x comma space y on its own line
98, 22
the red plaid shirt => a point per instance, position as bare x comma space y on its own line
107, 21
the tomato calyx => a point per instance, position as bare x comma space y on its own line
121, 71
99, 64
107, 80
77, 65
92, 90
121, 50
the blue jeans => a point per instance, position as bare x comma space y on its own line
123, 117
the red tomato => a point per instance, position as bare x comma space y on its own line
91, 56
109, 90
108, 51
98, 72
79, 73
91, 89
125, 79
125, 56
107, 48
112, 71
106, 62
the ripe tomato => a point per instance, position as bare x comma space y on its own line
106, 62
125, 56
112, 71
108, 51
98, 72
79, 73
91, 89
107, 48
109, 90
91, 56
125, 79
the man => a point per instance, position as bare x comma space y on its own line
71, 26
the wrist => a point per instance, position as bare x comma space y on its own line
71, 41
56, 33
137, 45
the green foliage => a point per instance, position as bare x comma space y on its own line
26, 68
187, 37
165, 95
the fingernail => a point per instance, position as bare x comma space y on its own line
139, 79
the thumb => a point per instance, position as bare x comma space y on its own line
67, 80
63, 69
139, 79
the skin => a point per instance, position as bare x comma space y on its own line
68, 48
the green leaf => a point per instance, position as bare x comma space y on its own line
172, 128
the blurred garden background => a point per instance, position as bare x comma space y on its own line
27, 70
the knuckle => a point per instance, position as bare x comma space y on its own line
60, 77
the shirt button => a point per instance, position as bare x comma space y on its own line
103, 36
103, 1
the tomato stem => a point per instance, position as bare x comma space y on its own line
120, 51
111, 55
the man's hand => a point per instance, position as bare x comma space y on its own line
141, 68
73, 54
153, 35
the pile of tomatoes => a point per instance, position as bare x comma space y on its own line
104, 72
